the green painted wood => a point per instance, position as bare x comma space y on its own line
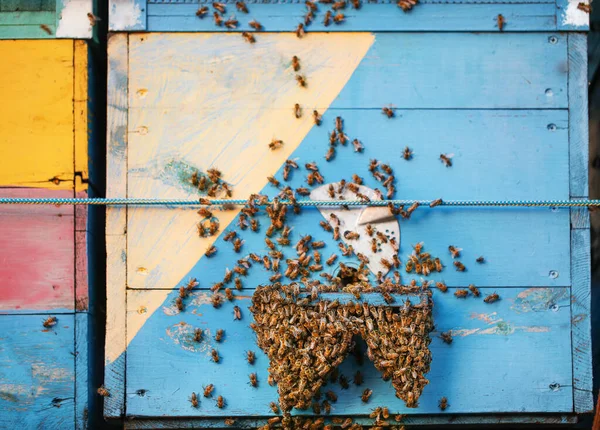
25, 32
27, 5
26, 18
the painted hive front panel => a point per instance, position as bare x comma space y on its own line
495, 105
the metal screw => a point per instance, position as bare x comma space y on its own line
554, 307
549, 92
553, 274
552, 127
553, 40
555, 386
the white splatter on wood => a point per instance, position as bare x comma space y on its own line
124, 15
73, 21
574, 16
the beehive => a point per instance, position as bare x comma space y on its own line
45, 130
186, 96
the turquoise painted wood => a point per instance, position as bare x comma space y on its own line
37, 372
490, 342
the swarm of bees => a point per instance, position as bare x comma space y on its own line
397, 339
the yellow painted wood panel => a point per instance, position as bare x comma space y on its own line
36, 113
80, 108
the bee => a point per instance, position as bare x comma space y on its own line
232, 24
229, 235
237, 244
336, 233
194, 400
331, 396
444, 401
315, 268
276, 265
330, 154
387, 297
311, 5
584, 7
254, 224
250, 357
202, 11
333, 137
238, 283
274, 278
216, 287
351, 235
229, 422
215, 355
358, 378
219, 6
461, 294
406, 5
331, 259
358, 147
480, 260
241, 6
326, 407
182, 292
459, 266
474, 290
327, 19
253, 379
255, 25
197, 335
455, 252
339, 5
210, 251
396, 261
446, 337
491, 298
301, 81
363, 197
500, 21
317, 118
339, 18
247, 36
269, 243
50, 322
208, 390
300, 31
179, 303
240, 270
103, 391
228, 293
218, 19
366, 394
374, 245
216, 300
254, 257
438, 265
303, 191
297, 110
46, 28
441, 286
389, 112
325, 226
386, 263
344, 382
202, 187
435, 203
369, 229
412, 208
237, 313
357, 179
220, 402
373, 165
446, 159
275, 144
339, 124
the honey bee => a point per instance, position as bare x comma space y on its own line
237, 313
275, 143
303, 191
216, 287
241, 6
247, 36
343, 381
182, 292
339, 18
238, 283
308, 18
435, 203
336, 233
219, 6
339, 5
438, 265
254, 224
301, 81
250, 357
386, 263
202, 11
210, 251
351, 235
331, 259
584, 7
455, 252
237, 244
179, 303
500, 21
46, 28
197, 335
461, 294
202, 187
327, 19
255, 25
50, 322
326, 407
330, 154
215, 355
194, 400
373, 245
396, 261
300, 31
253, 379
363, 197
229, 294
339, 124
326, 226
232, 24
382, 237
441, 286
358, 378
459, 266
358, 147
333, 137
208, 390
412, 208
311, 5
389, 112
216, 300
297, 110
103, 391
446, 159
229, 235
446, 337
363, 258
385, 413
220, 402
491, 298
444, 401
274, 278
240, 270
229, 422
366, 394
218, 19
474, 290
387, 297
406, 5
331, 396
480, 260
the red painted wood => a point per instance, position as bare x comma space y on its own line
37, 247
81, 261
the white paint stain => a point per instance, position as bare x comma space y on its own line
574, 16
124, 15
73, 21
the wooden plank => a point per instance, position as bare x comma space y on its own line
578, 115
404, 70
580, 218
427, 16
570, 18
81, 113
26, 18
127, 15
581, 324
26, 5
82, 339
164, 362
36, 253
37, 114
116, 276
25, 32
37, 375
71, 19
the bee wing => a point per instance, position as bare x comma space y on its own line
450, 155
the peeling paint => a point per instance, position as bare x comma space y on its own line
73, 21
538, 299
578, 318
501, 328
488, 318
183, 334
48, 373
574, 16
125, 15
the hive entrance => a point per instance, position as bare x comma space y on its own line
306, 339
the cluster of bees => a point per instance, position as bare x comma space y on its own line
306, 339
331, 16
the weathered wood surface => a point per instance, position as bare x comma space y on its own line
490, 344
37, 372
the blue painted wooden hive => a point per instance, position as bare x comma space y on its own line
499, 89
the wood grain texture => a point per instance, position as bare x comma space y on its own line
82, 368
81, 112
427, 16
580, 218
578, 115
36, 118
36, 254
163, 360
37, 375
581, 323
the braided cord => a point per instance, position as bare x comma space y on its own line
216, 202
